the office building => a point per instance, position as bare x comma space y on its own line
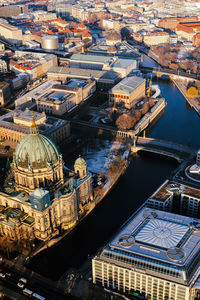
11, 33
155, 255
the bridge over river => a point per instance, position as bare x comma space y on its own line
167, 148
171, 149
173, 74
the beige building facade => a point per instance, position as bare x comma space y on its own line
11, 33
5, 93
154, 256
128, 91
156, 38
16, 124
62, 98
42, 198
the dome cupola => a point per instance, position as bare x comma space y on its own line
37, 162
80, 167
35, 151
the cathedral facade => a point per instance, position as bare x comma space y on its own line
42, 198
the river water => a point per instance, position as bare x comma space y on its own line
146, 172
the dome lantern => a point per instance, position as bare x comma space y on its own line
80, 167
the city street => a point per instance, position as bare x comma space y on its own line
10, 277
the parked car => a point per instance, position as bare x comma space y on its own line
20, 285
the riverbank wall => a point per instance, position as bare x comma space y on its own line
192, 102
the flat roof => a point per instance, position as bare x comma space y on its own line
27, 115
85, 73
163, 191
8, 26
128, 84
161, 233
123, 63
56, 97
51, 124
91, 58
76, 83
159, 237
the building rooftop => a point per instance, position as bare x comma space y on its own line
84, 73
56, 97
162, 193
167, 188
128, 85
122, 63
162, 234
8, 26
36, 93
46, 125
77, 83
159, 238
27, 116
92, 58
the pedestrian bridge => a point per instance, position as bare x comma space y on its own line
176, 151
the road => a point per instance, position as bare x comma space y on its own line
45, 288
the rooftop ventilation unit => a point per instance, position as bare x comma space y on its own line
175, 254
126, 241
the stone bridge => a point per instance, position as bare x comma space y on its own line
173, 74
171, 149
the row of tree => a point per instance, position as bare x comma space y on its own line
168, 55
127, 121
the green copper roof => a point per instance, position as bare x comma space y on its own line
35, 151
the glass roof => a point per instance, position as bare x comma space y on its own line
162, 233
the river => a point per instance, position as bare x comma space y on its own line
146, 172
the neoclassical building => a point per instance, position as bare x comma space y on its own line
42, 197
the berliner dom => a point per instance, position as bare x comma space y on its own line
42, 198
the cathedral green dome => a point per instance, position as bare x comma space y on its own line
35, 151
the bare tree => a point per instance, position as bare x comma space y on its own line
173, 66
145, 108
137, 114
125, 121
151, 102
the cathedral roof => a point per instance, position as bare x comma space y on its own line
35, 151
80, 162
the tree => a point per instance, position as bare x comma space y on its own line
113, 168
151, 102
145, 108
125, 121
137, 114
173, 66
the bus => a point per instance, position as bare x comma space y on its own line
27, 292
37, 297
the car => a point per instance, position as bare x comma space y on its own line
20, 285
22, 279
2, 275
